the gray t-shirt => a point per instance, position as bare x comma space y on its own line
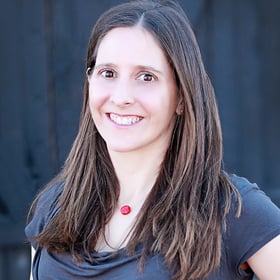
259, 223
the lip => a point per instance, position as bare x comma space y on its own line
124, 120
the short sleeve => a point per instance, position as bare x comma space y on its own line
258, 224
45, 209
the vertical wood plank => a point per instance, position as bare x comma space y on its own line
51, 97
268, 42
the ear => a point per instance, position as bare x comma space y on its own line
180, 108
88, 72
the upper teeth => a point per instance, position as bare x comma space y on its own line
124, 120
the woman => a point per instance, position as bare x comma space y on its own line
142, 194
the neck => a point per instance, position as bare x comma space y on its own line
137, 174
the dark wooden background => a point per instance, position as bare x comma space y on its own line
42, 50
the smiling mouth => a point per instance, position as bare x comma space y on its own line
124, 120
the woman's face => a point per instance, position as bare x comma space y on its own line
132, 92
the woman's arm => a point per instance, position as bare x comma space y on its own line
32, 257
266, 262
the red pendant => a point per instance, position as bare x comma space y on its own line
125, 210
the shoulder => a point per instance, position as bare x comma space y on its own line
45, 209
259, 221
243, 185
48, 198
255, 203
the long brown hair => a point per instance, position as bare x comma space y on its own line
183, 216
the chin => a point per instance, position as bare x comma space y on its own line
118, 149
122, 148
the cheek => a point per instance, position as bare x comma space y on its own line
97, 98
161, 101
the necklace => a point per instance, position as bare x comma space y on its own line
125, 209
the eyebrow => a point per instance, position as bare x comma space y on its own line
150, 68
104, 65
143, 67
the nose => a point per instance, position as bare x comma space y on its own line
122, 94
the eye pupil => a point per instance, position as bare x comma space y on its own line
148, 78
109, 74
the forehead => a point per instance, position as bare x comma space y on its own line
130, 44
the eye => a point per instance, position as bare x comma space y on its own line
147, 77
108, 74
